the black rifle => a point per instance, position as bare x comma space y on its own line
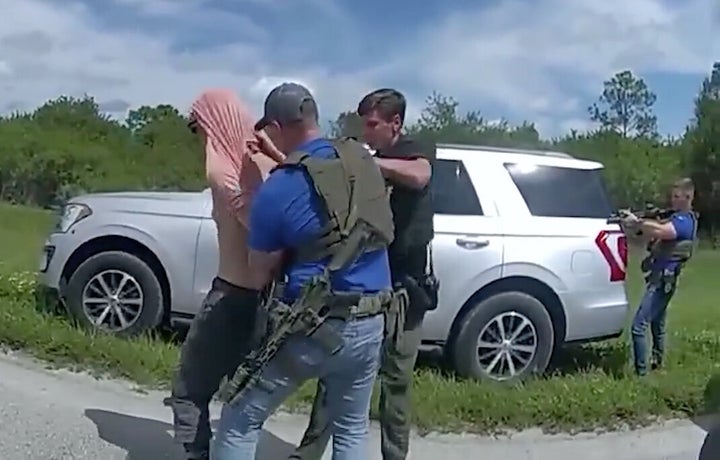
306, 316
650, 212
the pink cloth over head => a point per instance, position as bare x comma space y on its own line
234, 175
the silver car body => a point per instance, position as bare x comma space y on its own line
580, 260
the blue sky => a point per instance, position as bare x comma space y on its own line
540, 60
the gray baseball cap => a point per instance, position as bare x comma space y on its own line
286, 104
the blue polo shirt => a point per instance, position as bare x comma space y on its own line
286, 213
684, 224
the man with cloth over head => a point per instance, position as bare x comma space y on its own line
406, 165
221, 332
302, 211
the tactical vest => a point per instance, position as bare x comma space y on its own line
354, 199
676, 251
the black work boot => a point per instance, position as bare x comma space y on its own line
194, 454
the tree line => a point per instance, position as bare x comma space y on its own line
68, 146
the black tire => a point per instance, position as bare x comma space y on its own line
151, 310
464, 352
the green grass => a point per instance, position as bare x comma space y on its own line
588, 387
22, 232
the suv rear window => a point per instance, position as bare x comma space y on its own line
452, 190
552, 191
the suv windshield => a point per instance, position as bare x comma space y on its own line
553, 191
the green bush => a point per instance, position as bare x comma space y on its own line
67, 147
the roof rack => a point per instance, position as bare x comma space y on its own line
547, 153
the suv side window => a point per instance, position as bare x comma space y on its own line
552, 191
452, 190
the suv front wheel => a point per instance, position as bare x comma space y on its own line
115, 292
504, 338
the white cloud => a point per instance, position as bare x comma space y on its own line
539, 60
536, 57
51, 49
5, 69
163, 7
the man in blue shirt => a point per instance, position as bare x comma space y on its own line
286, 215
664, 265
406, 165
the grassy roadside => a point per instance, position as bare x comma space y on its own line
590, 386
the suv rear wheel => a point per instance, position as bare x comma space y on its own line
506, 338
115, 292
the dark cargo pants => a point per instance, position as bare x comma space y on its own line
396, 375
219, 338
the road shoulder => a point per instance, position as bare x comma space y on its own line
130, 423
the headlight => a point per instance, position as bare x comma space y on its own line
71, 214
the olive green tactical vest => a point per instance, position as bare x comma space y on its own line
355, 200
678, 251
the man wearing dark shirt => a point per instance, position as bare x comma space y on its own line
407, 167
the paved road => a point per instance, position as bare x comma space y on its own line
51, 415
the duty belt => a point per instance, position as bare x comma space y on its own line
350, 305
306, 315
344, 306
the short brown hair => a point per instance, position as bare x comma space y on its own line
387, 101
686, 185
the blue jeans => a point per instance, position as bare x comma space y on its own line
652, 311
348, 376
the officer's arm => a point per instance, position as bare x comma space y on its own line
264, 267
413, 173
410, 165
658, 230
267, 147
681, 226
265, 238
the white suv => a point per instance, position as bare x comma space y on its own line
525, 258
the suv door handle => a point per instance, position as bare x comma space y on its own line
471, 243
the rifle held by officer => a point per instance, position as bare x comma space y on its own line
650, 212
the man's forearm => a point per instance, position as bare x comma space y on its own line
410, 173
656, 230
264, 266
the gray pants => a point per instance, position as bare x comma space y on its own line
219, 339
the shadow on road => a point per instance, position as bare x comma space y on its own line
147, 439
711, 446
711, 423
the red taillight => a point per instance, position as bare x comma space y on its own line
622, 248
617, 273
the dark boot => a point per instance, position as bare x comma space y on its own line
191, 453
